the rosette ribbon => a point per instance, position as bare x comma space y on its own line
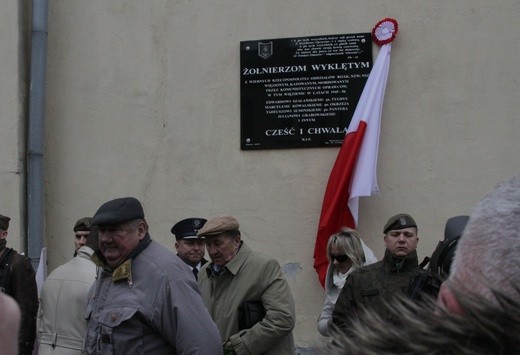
384, 31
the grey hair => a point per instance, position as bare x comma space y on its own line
419, 328
348, 241
488, 251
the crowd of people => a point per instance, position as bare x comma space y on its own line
477, 310
124, 293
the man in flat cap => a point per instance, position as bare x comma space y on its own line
81, 232
190, 247
237, 275
63, 300
145, 300
17, 279
372, 285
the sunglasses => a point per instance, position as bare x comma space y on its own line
340, 258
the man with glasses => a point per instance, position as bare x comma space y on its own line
237, 285
145, 300
372, 285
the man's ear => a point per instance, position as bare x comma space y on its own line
447, 300
142, 229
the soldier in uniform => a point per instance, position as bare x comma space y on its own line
371, 286
478, 306
81, 231
17, 279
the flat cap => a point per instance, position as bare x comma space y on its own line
82, 225
118, 211
218, 224
399, 221
4, 222
188, 228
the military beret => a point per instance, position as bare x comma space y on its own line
218, 224
118, 211
4, 222
82, 225
399, 221
188, 228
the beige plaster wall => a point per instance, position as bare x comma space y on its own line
12, 134
143, 100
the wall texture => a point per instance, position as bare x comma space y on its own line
13, 75
143, 100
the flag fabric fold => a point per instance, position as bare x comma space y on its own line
41, 272
354, 172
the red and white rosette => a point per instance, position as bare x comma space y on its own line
384, 31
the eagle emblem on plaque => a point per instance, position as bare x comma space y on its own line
265, 49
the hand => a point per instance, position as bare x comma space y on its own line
228, 348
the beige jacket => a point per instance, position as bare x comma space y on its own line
61, 315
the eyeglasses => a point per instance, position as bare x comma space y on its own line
340, 258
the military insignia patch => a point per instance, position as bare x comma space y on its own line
265, 49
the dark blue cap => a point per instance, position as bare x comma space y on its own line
188, 228
118, 211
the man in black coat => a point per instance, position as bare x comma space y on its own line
17, 279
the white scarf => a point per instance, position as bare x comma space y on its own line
339, 278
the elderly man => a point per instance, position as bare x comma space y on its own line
81, 232
236, 275
372, 285
478, 307
190, 247
145, 300
17, 279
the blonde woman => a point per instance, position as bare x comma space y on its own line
346, 252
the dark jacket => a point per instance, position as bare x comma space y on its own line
17, 279
372, 285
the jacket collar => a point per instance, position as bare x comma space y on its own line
124, 270
395, 264
234, 265
85, 252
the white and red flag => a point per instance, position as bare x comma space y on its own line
354, 172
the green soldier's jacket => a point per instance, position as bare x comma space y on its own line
372, 285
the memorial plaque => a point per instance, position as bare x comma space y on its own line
301, 92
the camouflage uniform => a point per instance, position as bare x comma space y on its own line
371, 285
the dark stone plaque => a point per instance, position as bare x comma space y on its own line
301, 92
